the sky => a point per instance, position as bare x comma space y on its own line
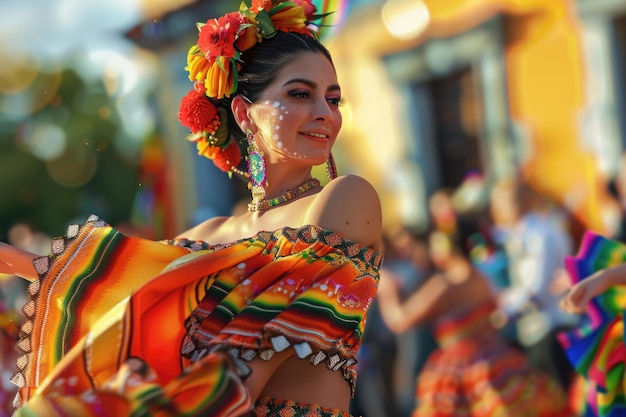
50, 31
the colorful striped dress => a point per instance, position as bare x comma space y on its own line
474, 373
126, 326
596, 347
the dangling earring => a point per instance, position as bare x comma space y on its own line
256, 169
331, 168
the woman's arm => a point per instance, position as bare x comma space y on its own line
417, 309
579, 295
443, 292
16, 261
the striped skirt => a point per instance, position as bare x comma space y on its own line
474, 373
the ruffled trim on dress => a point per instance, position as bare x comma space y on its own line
42, 265
43, 341
316, 245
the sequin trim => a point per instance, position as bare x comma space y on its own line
270, 407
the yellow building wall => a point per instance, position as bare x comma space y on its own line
545, 83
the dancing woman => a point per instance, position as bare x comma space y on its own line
260, 312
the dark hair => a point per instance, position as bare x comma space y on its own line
261, 64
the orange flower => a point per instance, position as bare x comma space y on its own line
247, 37
289, 17
224, 158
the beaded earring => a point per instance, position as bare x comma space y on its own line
331, 168
256, 169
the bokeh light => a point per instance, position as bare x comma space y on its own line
46, 141
75, 167
405, 19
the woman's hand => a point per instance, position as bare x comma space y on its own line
579, 295
14, 261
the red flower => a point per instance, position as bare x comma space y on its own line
224, 158
198, 113
217, 36
258, 5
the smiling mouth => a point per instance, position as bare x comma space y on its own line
316, 135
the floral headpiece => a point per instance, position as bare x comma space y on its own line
213, 65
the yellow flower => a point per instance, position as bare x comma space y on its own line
289, 17
197, 64
219, 80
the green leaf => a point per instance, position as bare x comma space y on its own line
321, 15
220, 63
282, 5
242, 28
197, 51
266, 25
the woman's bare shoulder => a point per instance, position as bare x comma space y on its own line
351, 206
204, 230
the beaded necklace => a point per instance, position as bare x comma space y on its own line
262, 205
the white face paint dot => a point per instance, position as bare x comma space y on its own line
277, 127
283, 107
276, 104
281, 117
279, 144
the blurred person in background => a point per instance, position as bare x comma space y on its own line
486, 251
394, 360
260, 312
408, 265
472, 371
535, 236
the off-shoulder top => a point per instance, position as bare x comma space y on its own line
104, 299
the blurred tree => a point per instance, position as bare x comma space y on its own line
61, 164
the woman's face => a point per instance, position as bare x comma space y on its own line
440, 248
297, 117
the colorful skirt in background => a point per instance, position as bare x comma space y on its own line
474, 373
596, 347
